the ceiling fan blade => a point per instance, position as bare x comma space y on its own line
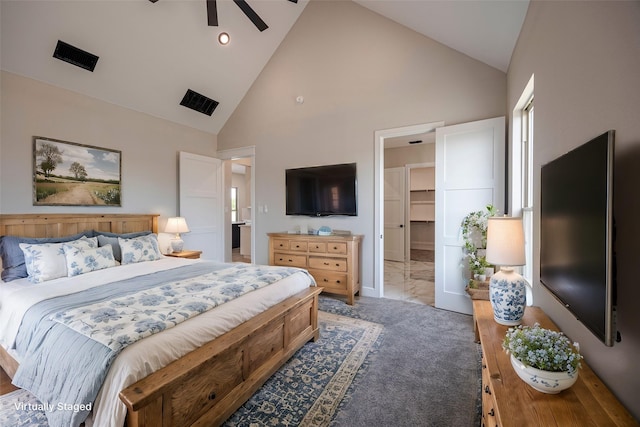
292, 1
251, 14
212, 13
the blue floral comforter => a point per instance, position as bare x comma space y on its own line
69, 342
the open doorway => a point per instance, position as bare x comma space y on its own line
240, 204
409, 210
399, 276
239, 188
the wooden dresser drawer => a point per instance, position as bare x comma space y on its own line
203, 389
329, 280
318, 247
298, 245
290, 260
339, 248
280, 244
489, 415
333, 264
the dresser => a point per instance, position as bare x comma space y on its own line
333, 261
508, 401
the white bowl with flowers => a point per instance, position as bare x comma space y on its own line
543, 358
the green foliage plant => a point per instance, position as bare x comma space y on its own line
474, 234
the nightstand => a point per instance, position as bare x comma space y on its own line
186, 254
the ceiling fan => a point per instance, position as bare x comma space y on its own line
212, 13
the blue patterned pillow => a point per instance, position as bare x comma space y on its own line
46, 261
107, 238
139, 249
82, 260
13, 266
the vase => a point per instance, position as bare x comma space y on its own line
508, 296
544, 381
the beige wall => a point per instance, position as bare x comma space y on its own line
149, 146
358, 72
586, 61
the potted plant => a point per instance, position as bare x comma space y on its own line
474, 234
543, 358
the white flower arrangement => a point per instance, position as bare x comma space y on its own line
543, 349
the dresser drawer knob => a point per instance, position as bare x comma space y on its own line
212, 395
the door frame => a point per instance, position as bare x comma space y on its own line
231, 154
378, 251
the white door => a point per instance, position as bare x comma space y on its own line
201, 204
394, 215
470, 170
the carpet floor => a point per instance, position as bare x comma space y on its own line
427, 371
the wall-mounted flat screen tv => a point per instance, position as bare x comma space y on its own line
577, 234
322, 190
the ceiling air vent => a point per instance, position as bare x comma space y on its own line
199, 103
73, 55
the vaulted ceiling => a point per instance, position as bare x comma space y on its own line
150, 53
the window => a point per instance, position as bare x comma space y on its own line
521, 188
527, 187
234, 204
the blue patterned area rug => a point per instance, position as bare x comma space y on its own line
306, 391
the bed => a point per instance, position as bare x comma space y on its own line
198, 372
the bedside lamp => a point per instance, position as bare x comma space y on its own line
507, 289
176, 225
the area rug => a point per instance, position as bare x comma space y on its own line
308, 389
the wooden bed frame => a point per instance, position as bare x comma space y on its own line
206, 386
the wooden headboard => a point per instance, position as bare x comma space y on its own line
58, 225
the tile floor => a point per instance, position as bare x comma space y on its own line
236, 257
411, 281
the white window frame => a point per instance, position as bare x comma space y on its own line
521, 180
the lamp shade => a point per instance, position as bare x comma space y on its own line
505, 241
176, 225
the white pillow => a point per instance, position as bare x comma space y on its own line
82, 260
46, 261
139, 249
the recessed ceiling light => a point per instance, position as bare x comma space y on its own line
223, 39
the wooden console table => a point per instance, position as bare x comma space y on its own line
508, 401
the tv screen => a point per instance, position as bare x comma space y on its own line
322, 190
576, 233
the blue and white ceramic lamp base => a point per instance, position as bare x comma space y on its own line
508, 296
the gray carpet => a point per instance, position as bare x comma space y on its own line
425, 373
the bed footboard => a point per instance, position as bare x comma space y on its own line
206, 386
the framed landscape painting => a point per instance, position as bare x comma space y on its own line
70, 174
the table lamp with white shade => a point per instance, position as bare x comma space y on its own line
507, 288
176, 225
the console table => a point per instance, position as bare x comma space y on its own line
508, 401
